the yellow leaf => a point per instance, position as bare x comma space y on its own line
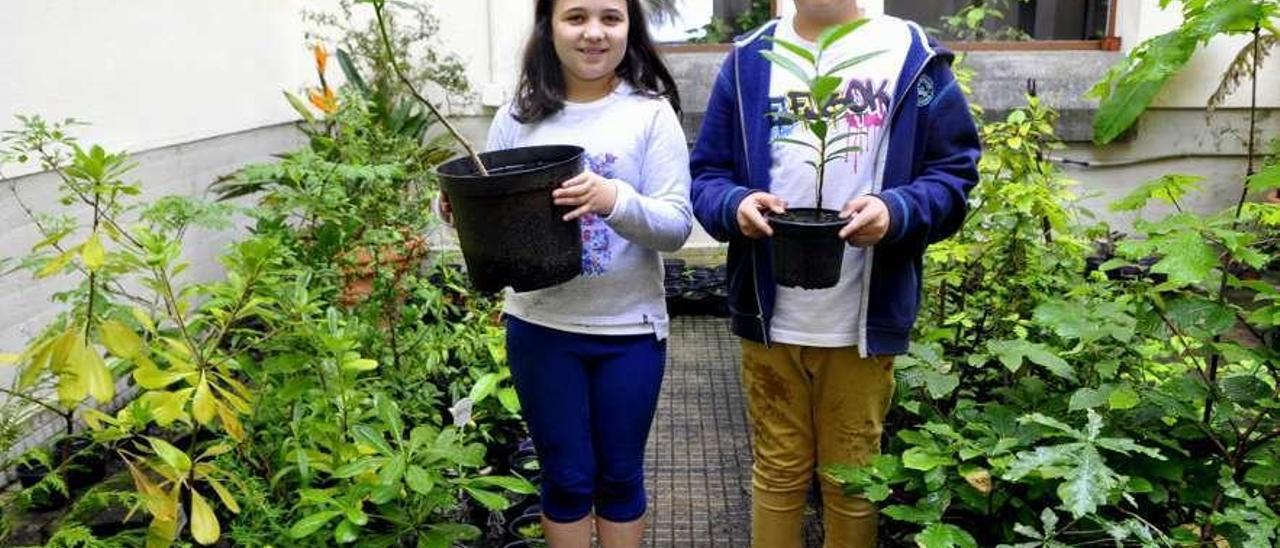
9, 359
157, 502
97, 378
120, 340
980, 479
363, 364
93, 254
178, 346
203, 406
143, 318
167, 407
56, 265
235, 401
162, 533
37, 356
152, 378
225, 496
204, 525
231, 423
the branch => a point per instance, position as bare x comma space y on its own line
378, 7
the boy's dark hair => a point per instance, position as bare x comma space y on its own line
541, 92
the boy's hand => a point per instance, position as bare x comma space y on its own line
591, 193
750, 219
869, 221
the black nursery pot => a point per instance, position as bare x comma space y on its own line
84, 463
509, 227
807, 249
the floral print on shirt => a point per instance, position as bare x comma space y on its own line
596, 235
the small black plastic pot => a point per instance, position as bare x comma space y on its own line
30, 473
524, 463
83, 463
807, 249
522, 521
510, 230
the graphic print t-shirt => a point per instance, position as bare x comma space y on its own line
829, 317
636, 141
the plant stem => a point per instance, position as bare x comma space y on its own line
378, 8
1216, 359
25, 397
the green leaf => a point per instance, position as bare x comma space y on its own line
346, 532
797, 142
1169, 189
1130, 88
1189, 258
300, 107
853, 61
834, 34
943, 535
204, 525
821, 89
484, 387
1013, 353
1264, 476
787, 65
513, 484
1246, 389
392, 472
1088, 484
373, 438
93, 254
922, 514
419, 480
510, 400
306, 526
1089, 398
488, 499
359, 467
919, 458
796, 49
389, 414
1265, 180
1123, 398
171, 455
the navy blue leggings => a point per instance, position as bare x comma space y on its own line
589, 401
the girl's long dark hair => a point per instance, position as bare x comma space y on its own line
541, 92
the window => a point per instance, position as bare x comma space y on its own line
1008, 20
708, 21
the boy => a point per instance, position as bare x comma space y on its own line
817, 365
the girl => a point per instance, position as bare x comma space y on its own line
588, 356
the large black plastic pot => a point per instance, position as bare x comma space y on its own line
511, 231
807, 249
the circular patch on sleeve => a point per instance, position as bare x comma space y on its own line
925, 91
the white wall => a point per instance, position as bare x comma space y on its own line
151, 73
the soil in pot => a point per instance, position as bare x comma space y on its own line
807, 249
526, 528
510, 230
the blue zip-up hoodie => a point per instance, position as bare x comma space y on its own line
925, 175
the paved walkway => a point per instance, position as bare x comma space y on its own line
699, 455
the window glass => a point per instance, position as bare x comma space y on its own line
984, 20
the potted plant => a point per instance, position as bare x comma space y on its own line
807, 249
510, 230
526, 531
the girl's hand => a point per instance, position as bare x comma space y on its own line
443, 208
590, 193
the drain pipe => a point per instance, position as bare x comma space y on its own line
1128, 162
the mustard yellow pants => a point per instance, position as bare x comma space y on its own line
810, 407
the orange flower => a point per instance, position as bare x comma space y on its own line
323, 99
322, 57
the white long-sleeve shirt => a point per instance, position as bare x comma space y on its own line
637, 142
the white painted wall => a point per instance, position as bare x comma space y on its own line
151, 73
